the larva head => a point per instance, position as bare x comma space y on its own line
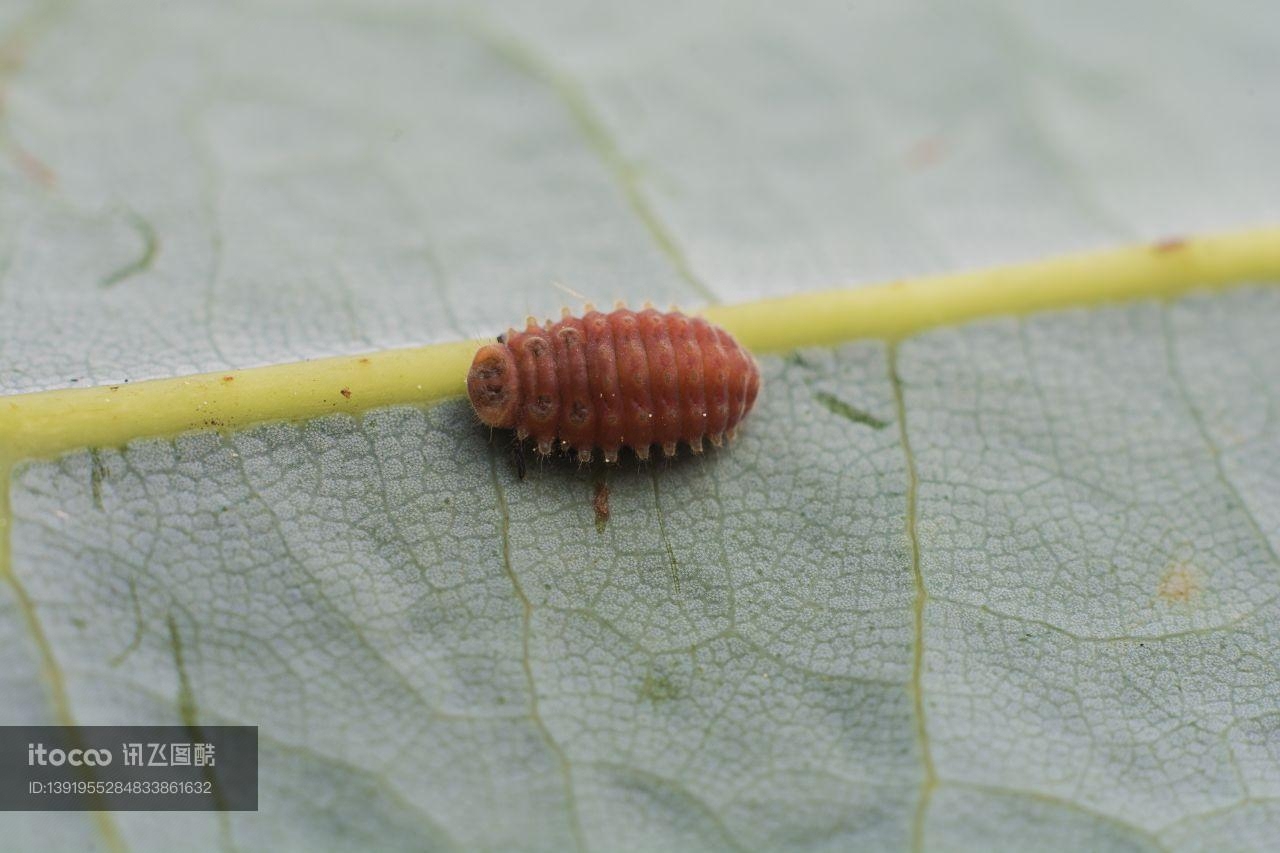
494, 386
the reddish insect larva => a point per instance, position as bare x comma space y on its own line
623, 379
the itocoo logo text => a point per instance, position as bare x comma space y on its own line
38, 754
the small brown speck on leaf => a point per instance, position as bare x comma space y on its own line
364, 361
925, 152
346, 392
34, 168
1180, 584
228, 379
114, 387
1169, 244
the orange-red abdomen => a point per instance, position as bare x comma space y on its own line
606, 381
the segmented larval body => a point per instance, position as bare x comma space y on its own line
613, 380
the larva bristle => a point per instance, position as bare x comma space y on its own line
569, 290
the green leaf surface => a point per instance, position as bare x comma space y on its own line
1003, 585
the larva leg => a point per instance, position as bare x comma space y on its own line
517, 456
